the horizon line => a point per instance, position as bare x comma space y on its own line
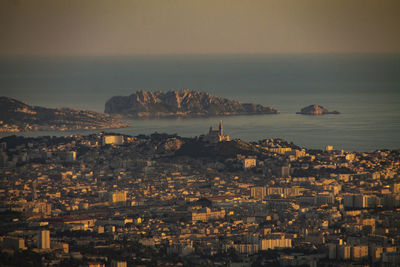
195, 54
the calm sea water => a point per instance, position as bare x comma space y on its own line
364, 88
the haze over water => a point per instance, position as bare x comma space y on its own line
364, 88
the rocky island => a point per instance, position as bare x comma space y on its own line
316, 110
16, 116
182, 103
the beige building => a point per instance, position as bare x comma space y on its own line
328, 148
280, 150
113, 140
359, 252
275, 241
207, 214
118, 197
249, 163
285, 191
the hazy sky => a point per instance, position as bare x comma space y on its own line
109, 27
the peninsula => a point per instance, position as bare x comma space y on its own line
316, 110
16, 116
182, 103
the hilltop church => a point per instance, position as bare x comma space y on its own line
215, 136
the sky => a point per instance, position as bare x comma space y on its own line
122, 27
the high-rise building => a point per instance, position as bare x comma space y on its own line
258, 192
44, 239
348, 201
118, 263
275, 241
332, 248
14, 243
344, 252
359, 201
67, 156
70, 156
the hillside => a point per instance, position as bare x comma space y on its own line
16, 116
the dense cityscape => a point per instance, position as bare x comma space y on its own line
113, 152
164, 200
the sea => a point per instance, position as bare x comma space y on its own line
365, 88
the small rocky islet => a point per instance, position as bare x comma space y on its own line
316, 110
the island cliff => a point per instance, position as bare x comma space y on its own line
316, 110
16, 116
182, 103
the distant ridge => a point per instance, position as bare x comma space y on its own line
16, 116
182, 103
